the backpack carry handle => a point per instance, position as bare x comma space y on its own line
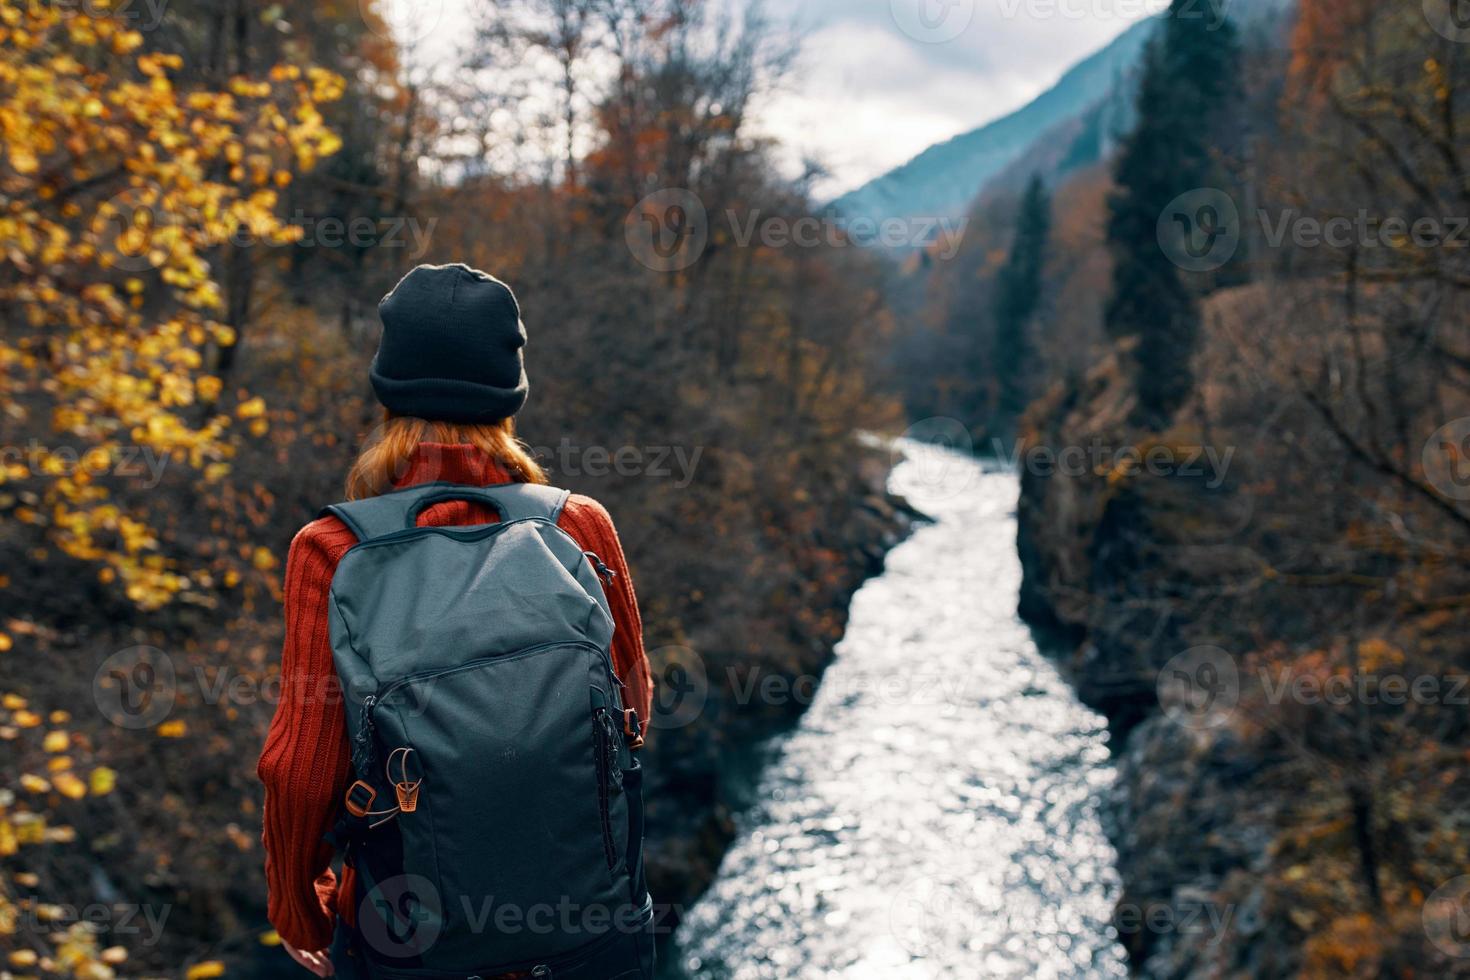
477, 495
373, 517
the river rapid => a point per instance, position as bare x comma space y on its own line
935, 813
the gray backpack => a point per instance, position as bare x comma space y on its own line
496, 821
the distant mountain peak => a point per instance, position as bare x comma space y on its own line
942, 181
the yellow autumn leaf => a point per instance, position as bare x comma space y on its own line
5, 642
56, 741
271, 938
254, 408
34, 784
205, 970
26, 719
70, 786
102, 780
172, 729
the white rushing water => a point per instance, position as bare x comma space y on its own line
935, 813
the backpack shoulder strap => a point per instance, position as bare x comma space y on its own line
374, 517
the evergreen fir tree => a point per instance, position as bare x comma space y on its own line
1018, 294
1190, 76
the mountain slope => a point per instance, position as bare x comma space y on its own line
942, 181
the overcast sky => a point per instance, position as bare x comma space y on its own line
880, 80
879, 83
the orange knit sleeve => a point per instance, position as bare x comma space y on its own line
305, 764
589, 524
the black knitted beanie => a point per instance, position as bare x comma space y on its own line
451, 347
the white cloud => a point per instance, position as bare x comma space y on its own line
869, 96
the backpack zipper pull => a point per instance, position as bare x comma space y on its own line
605, 573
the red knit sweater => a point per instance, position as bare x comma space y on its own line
305, 764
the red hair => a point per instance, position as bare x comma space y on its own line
386, 457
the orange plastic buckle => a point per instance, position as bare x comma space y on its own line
360, 797
408, 796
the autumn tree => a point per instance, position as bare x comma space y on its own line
123, 187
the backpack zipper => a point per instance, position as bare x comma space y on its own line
366, 726
604, 740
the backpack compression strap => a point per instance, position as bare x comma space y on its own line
374, 517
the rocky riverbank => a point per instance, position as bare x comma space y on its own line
1258, 834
